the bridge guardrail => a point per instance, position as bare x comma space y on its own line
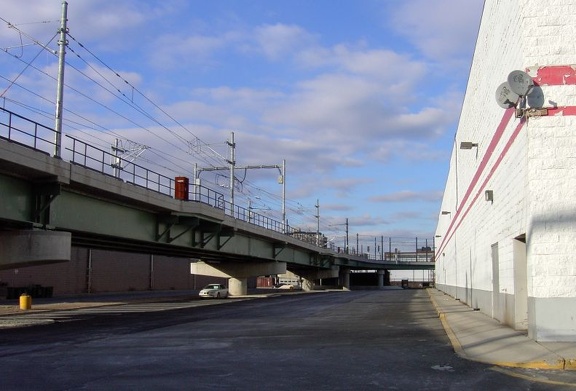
248, 215
15, 128
86, 155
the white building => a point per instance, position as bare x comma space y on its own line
506, 234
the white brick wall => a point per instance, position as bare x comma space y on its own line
531, 171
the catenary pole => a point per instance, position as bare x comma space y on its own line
62, 43
232, 163
318, 222
284, 223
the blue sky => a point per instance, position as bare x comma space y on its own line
361, 98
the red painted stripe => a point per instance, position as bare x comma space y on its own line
555, 75
508, 114
489, 176
566, 110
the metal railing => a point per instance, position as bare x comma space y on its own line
87, 156
24, 131
260, 220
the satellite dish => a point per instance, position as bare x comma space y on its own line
520, 82
535, 97
505, 97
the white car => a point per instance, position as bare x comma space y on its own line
214, 290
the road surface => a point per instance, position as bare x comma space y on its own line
359, 340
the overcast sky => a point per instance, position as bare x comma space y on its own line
361, 98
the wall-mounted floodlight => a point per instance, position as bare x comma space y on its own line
489, 195
445, 212
468, 145
438, 236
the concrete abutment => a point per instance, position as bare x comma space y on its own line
34, 247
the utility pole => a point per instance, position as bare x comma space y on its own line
347, 243
283, 176
62, 43
317, 222
232, 163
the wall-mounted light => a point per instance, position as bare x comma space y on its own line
489, 195
438, 236
445, 212
468, 145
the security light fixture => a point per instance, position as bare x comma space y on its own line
468, 145
445, 212
489, 195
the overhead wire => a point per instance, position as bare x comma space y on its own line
144, 96
29, 64
211, 159
142, 111
24, 69
76, 125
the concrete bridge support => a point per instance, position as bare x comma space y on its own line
33, 247
345, 278
381, 278
237, 273
237, 286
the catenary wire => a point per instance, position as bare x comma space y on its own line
136, 108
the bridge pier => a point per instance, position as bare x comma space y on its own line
345, 277
237, 273
237, 286
34, 247
381, 273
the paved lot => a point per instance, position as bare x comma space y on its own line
389, 340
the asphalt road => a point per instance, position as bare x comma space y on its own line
360, 340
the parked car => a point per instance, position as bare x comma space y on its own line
214, 290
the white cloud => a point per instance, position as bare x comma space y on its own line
171, 51
385, 65
408, 196
442, 29
278, 40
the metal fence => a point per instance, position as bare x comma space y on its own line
107, 163
23, 131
